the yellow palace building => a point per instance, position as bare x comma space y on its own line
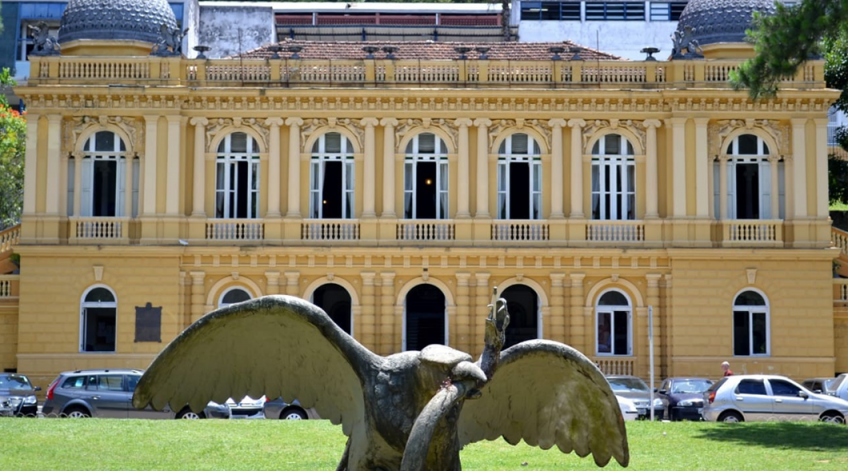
396, 185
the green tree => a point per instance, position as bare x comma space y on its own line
12, 150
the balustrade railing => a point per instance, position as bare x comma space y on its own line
839, 238
430, 230
98, 227
9, 237
9, 286
235, 229
742, 232
330, 230
615, 231
615, 366
524, 231
840, 290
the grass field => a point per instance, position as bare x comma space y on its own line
101, 444
838, 206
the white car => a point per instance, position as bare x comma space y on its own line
628, 408
839, 387
247, 408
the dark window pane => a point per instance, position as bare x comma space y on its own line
336, 302
741, 333
104, 141
749, 298
523, 305
238, 142
235, 296
426, 143
550, 11
613, 298
783, 388
759, 334
425, 317
531, 10
101, 295
751, 386
748, 144
621, 336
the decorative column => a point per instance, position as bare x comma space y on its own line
463, 209
799, 167
389, 167
274, 182
556, 168
198, 294
387, 340
478, 315
463, 312
199, 180
482, 182
172, 200
128, 186
576, 168
367, 331
292, 285
78, 157
31, 165
150, 148
822, 201
294, 166
722, 186
273, 282
557, 317
702, 169
651, 193
54, 148
775, 187
678, 152
369, 174
579, 328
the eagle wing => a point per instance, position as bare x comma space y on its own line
548, 394
276, 346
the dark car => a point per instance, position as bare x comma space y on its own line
683, 398
19, 392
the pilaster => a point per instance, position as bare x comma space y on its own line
463, 312
388, 339
555, 328
579, 334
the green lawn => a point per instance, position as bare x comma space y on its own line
838, 206
64, 444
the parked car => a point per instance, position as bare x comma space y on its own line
20, 393
683, 398
247, 408
769, 397
818, 385
5, 407
637, 391
108, 393
628, 409
278, 409
839, 387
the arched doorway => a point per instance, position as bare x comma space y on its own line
336, 302
424, 317
523, 305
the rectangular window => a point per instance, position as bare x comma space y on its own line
615, 11
426, 187
666, 11
531, 11
613, 188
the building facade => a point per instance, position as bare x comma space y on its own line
399, 192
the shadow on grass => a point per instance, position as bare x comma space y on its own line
811, 436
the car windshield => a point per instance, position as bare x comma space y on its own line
628, 384
8, 381
690, 386
834, 384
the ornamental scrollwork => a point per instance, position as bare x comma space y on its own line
75, 127
406, 125
719, 130
500, 125
216, 125
310, 126
637, 128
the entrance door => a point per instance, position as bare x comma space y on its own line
523, 305
425, 317
335, 301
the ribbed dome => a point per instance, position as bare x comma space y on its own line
136, 20
721, 21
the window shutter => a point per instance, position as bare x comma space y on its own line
121, 187
765, 190
135, 176
731, 189
87, 183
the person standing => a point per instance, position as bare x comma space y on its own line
725, 366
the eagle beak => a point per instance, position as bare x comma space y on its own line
466, 370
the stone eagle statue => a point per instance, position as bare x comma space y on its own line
411, 411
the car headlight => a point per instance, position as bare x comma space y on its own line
30, 400
658, 402
686, 403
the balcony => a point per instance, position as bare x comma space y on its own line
521, 231
610, 365
84, 229
330, 229
752, 233
235, 229
9, 237
430, 230
615, 231
9, 286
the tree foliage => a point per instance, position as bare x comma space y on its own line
12, 150
837, 175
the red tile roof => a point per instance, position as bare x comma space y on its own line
430, 50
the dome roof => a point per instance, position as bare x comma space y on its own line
135, 20
721, 21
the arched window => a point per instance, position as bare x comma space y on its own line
332, 176
425, 190
103, 177
750, 324
233, 296
613, 179
612, 327
237, 177
424, 318
523, 305
99, 313
519, 178
751, 180
336, 302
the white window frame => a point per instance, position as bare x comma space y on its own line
90, 156
534, 160
221, 302
230, 160
752, 310
320, 157
765, 184
611, 311
84, 305
411, 161
604, 163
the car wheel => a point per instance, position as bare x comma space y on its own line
188, 414
77, 413
832, 417
730, 417
293, 414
